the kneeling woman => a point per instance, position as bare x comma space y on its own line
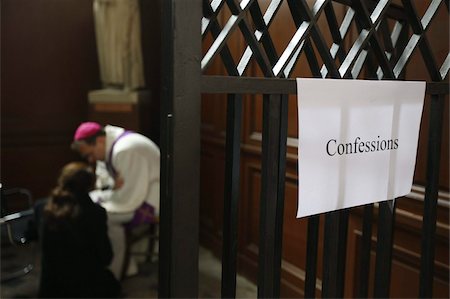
76, 250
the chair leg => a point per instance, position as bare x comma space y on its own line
127, 256
151, 243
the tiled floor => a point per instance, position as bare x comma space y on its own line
143, 285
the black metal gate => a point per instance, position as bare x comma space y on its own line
388, 32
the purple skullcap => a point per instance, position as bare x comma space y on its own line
86, 130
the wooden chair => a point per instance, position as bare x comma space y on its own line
135, 234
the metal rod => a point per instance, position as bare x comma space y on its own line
231, 198
253, 85
225, 53
272, 194
282, 143
311, 256
431, 196
334, 254
309, 51
385, 235
366, 21
342, 252
366, 248
268, 17
166, 148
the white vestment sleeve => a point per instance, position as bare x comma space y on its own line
104, 180
132, 167
99, 196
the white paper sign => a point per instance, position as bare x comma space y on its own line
357, 141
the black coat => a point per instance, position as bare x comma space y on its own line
75, 258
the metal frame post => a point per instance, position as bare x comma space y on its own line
180, 149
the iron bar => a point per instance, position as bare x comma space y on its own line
336, 32
278, 252
231, 196
261, 85
388, 40
311, 256
401, 47
210, 11
297, 40
365, 58
431, 196
445, 67
221, 39
359, 63
342, 252
375, 44
293, 62
334, 253
385, 235
309, 51
366, 248
249, 36
268, 17
430, 13
166, 148
428, 58
338, 49
419, 29
262, 31
394, 11
260, 55
363, 38
419, 38
406, 55
272, 194
246, 85
333, 23
225, 53
395, 42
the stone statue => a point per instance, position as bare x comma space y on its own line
118, 32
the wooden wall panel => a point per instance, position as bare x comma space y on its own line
152, 57
211, 197
34, 167
249, 225
48, 64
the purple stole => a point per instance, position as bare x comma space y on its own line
112, 171
146, 212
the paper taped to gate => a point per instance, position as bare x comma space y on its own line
357, 141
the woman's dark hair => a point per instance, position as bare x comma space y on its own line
76, 178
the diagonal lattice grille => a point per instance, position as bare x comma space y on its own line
376, 36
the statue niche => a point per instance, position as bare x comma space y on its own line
118, 33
